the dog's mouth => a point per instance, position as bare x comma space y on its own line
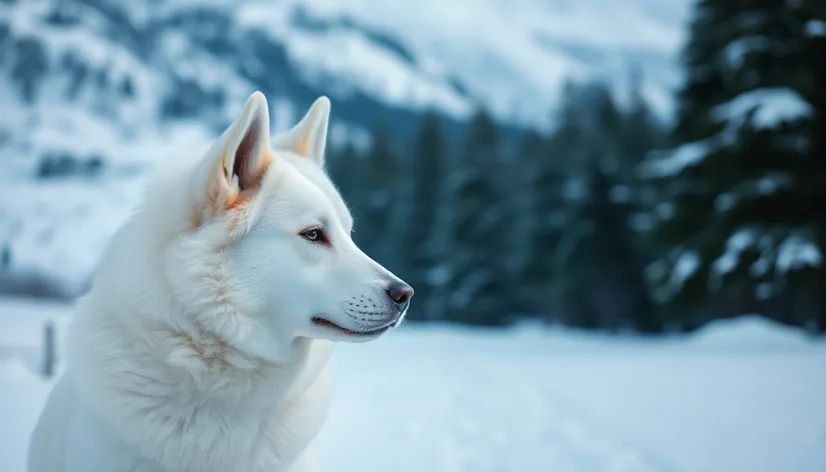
325, 323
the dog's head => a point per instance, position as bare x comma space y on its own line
267, 255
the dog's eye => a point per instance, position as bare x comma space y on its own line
315, 234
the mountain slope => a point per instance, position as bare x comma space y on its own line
132, 73
94, 92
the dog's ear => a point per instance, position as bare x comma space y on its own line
243, 152
309, 137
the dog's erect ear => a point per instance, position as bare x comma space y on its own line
244, 153
247, 150
309, 137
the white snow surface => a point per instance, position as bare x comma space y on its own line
794, 252
816, 28
736, 244
770, 106
685, 266
740, 395
672, 162
762, 108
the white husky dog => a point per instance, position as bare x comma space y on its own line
203, 344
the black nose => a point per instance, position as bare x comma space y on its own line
400, 292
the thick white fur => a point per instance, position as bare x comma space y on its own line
195, 349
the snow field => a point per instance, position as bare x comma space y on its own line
739, 395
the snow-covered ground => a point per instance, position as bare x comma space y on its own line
739, 396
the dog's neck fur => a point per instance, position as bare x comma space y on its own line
151, 341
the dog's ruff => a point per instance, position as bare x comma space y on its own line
203, 344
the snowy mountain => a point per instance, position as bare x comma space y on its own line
107, 80
96, 91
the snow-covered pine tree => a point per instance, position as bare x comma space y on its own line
549, 209
542, 192
477, 242
599, 267
343, 166
377, 235
420, 245
741, 196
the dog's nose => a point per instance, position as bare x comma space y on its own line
400, 292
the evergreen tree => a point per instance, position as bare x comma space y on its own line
641, 132
376, 234
549, 206
608, 288
478, 243
554, 191
596, 263
539, 188
342, 166
426, 259
742, 184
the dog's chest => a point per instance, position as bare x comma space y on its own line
213, 442
199, 438
267, 443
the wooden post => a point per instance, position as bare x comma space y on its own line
48, 350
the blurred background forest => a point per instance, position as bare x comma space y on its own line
614, 220
584, 201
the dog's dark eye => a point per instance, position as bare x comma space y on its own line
315, 235
312, 234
